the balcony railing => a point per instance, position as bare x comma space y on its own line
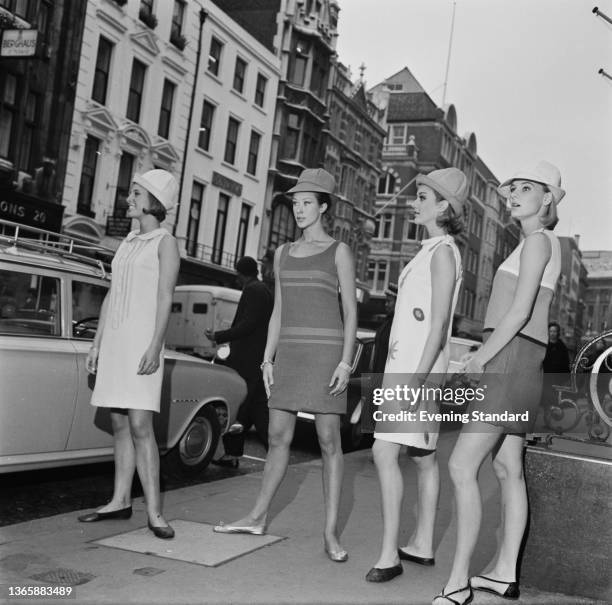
390, 149
209, 254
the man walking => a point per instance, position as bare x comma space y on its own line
247, 337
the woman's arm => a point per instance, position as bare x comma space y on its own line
346, 279
169, 261
92, 356
534, 257
273, 326
443, 279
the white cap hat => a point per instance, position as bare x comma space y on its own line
161, 184
544, 173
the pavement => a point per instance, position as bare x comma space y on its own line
120, 562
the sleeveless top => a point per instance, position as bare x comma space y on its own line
504, 287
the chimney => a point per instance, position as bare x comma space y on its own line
577, 240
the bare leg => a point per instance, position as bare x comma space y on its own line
392, 491
508, 466
470, 450
280, 434
428, 481
147, 462
328, 432
125, 463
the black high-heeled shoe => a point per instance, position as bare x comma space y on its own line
447, 596
165, 532
511, 592
227, 462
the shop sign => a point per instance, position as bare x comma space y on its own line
18, 42
223, 182
28, 210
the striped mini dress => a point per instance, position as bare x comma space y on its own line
311, 335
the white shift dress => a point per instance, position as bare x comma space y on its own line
129, 327
409, 332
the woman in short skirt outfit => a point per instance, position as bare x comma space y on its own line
516, 333
313, 344
418, 356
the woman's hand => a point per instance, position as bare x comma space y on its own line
474, 366
267, 370
150, 360
340, 379
91, 363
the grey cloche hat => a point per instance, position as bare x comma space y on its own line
450, 183
314, 179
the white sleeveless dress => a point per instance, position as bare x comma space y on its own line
129, 327
409, 332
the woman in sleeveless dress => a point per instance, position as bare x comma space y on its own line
418, 356
313, 344
515, 334
127, 351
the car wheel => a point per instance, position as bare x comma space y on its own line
196, 447
352, 437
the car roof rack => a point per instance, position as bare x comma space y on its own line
24, 237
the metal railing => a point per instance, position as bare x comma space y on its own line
208, 254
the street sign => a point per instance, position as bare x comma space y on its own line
18, 42
117, 226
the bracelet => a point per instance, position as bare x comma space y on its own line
344, 366
266, 362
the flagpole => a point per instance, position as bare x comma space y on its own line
448, 58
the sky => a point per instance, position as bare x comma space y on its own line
523, 77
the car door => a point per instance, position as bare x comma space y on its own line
38, 368
175, 335
91, 429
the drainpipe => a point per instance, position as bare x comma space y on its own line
203, 14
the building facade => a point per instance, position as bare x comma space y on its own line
422, 137
598, 296
131, 109
227, 159
37, 95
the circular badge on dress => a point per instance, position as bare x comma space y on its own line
418, 314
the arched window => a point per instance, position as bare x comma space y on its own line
283, 228
386, 184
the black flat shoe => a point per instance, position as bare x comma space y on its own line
226, 462
122, 513
384, 574
511, 593
414, 559
447, 596
165, 532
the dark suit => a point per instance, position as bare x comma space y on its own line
247, 337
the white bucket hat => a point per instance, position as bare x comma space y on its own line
544, 173
161, 184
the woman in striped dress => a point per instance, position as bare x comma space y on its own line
313, 344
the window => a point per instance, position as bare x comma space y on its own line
243, 229
178, 12
231, 141
220, 225
165, 112
19, 7
260, 90
8, 110
318, 79
413, 231
27, 136
283, 228
88, 176
208, 113
124, 181
299, 62
103, 60
377, 277
135, 93
310, 142
214, 56
29, 304
195, 211
292, 138
87, 301
44, 18
239, 74
253, 152
386, 184
384, 225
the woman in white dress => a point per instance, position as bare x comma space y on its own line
127, 351
418, 352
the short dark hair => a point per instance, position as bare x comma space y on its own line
449, 219
247, 266
156, 208
324, 198
554, 324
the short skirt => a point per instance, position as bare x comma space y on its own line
513, 380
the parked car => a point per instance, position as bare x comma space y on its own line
50, 299
352, 436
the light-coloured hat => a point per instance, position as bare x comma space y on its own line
161, 184
314, 179
544, 173
450, 183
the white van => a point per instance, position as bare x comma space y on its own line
198, 308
